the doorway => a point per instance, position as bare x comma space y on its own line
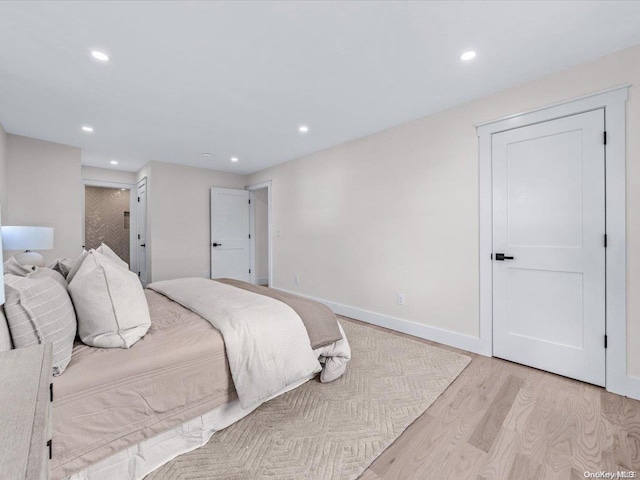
140, 239
107, 219
601, 117
110, 216
230, 234
241, 234
259, 215
549, 246
261, 233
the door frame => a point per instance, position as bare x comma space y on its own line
252, 242
133, 223
613, 101
142, 228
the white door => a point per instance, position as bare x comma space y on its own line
549, 246
141, 225
230, 255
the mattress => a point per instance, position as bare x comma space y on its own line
108, 400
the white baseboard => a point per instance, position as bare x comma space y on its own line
262, 281
439, 335
626, 385
623, 385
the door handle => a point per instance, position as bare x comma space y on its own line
216, 244
144, 245
501, 257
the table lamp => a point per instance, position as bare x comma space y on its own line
28, 239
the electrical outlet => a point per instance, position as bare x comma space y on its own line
401, 299
296, 279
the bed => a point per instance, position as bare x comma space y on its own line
121, 413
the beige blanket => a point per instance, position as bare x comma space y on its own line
109, 399
318, 319
267, 345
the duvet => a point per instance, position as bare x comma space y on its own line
267, 343
109, 400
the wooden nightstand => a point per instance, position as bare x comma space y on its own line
25, 406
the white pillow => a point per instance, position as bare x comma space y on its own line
13, 267
110, 304
49, 273
39, 310
76, 266
62, 265
105, 250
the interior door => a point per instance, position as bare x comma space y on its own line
141, 225
549, 246
230, 254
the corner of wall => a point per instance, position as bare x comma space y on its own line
53, 170
3, 173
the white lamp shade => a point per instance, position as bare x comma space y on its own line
1, 276
27, 238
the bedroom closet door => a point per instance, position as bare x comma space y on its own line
230, 253
549, 246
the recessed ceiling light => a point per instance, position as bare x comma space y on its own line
303, 129
207, 155
466, 56
113, 162
123, 189
234, 159
87, 128
103, 57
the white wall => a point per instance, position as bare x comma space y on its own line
398, 211
107, 175
44, 188
178, 217
261, 232
3, 173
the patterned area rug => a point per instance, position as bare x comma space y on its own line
329, 431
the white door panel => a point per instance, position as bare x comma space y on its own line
559, 319
141, 213
545, 191
230, 255
549, 215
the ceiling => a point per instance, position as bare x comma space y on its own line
236, 79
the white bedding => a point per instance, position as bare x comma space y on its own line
138, 460
266, 342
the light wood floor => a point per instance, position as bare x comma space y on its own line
501, 420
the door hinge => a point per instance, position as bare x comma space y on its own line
249, 270
249, 200
249, 235
51, 392
605, 240
138, 273
604, 140
138, 199
605, 341
50, 445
